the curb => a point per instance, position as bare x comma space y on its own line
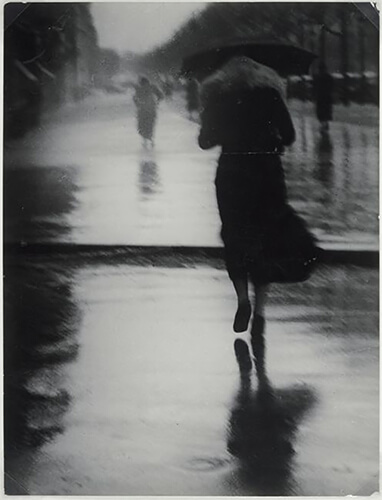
331, 254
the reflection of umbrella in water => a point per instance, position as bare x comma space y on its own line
286, 59
263, 426
262, 430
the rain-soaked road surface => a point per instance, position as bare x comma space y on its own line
121, 376
84, 178
122, 379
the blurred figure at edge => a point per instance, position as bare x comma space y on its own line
323, 91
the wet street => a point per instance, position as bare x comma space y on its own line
122, 379
85, 178
120, 371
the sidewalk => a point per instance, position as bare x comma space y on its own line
84, 180
121, 377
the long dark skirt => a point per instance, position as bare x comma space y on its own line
146, 122
262, 234
324, 109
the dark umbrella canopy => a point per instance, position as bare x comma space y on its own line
284, 58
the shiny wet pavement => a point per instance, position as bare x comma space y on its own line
122, 379
120, 371
83, 177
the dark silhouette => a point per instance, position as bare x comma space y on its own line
261, 434
168, 87
192, 98
244, 113
323, 90
146, 99
262, 427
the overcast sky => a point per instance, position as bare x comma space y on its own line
139, 26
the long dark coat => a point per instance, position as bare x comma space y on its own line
262, 234
323, 87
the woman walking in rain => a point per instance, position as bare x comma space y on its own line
146, 99
244, 112
323, 89
192, 97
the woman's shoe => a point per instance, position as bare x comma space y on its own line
242, 317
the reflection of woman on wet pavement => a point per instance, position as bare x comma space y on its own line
244, 112
146, 99
262, 430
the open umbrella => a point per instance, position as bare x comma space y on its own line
240, 74
286, 59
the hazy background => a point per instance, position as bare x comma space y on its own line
139, 26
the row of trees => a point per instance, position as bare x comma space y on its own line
344, 35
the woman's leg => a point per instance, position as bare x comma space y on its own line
239, 277
229, 198
261, 292
241, 288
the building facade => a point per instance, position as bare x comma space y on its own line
50, 55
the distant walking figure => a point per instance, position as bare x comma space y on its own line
243, 111
323, 89
192, 96
146, 99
